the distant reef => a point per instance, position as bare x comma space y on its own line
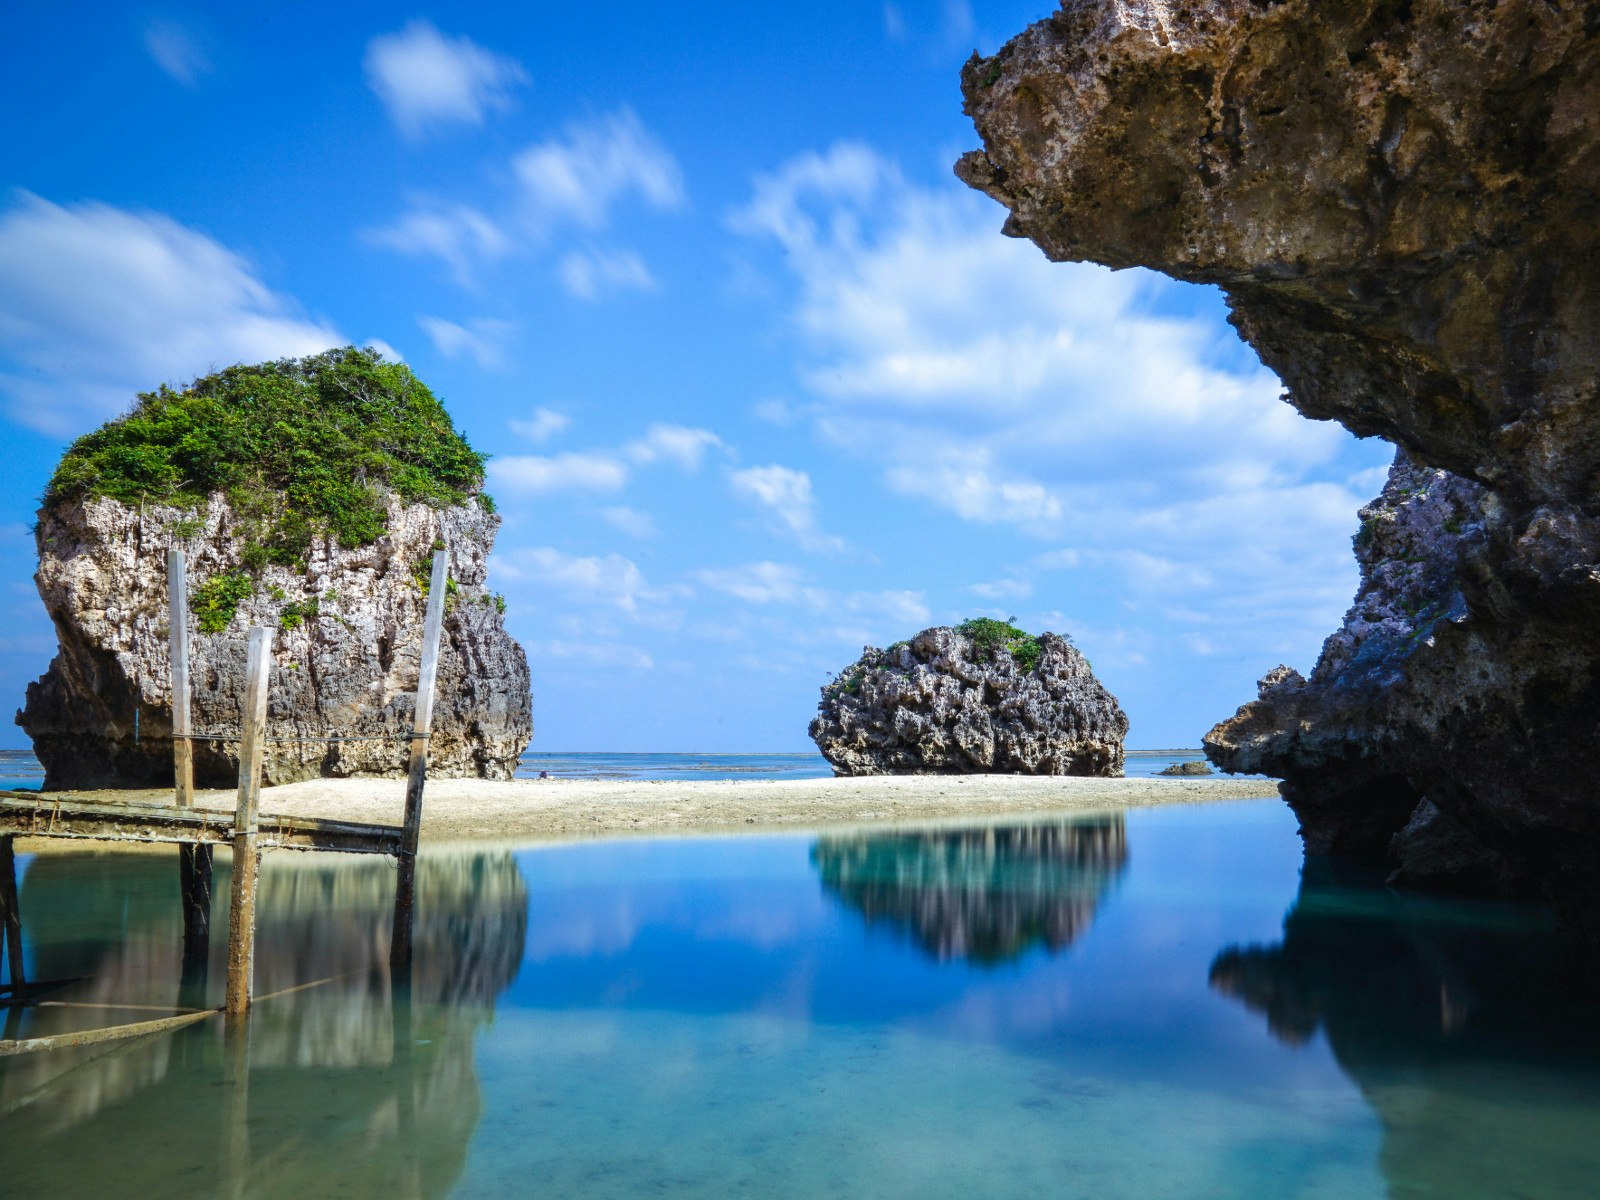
308, 494
1401, 202
984, 697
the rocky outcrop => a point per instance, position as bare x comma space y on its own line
1400, 202
945, 703
1186, 768
346, 650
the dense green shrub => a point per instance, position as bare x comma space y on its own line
216, 600
991, 636
302, 448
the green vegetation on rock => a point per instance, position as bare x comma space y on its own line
216, 600
991, 636
302, 448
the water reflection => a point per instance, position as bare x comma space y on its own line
337, 1073
984, 895
1463, 1023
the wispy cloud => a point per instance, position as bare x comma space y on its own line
535, 474
682, 445
458, 235
428, 81
592, 274
482, 339
577, 178
630, 520
543, 425
786, 496
98, 302
176, 51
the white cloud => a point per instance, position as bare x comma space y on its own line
590, 274
384, 348
606, 579
786, 495
894, 23
1002, 589
98, 302
630, 520
679, 444
757, 583
483, 339
781, 583
427, 80
599, 654
578, 178
458, 235
534, 474
542, 426
1108, 410
176, 51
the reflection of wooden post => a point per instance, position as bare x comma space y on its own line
246, 857
405, 887
11, 918
194, 860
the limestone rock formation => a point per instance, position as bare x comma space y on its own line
1400, 203
346, 651
308, 494
948, 703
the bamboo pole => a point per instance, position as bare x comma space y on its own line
89, 1037
11, 917
246, 854
406, 877
194, 860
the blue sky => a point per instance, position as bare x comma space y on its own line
762, 381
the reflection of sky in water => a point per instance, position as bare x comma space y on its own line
1059, 1010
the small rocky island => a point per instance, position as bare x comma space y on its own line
308, 494
982, 698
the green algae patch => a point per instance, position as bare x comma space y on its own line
302, 448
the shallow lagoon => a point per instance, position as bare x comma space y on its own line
1147, 1006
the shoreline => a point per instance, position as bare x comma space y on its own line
529, 811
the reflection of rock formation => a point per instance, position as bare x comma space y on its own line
335, 1069
1460, 1022
985, 895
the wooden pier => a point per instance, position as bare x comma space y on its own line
195, 831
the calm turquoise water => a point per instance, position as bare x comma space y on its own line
1161, 1005
19, 768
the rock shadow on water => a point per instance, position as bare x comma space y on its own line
1465, 1023
355, 1087
985, 896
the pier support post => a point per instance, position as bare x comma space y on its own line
11, 917
194, 860
405, 888
246, 854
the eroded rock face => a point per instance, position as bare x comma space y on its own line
942, 705
347, 669
1400, 202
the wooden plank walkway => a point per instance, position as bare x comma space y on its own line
58, 815
197, 830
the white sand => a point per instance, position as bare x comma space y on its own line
537, 810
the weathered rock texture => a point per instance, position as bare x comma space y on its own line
941, 705
1400, 201
347, 670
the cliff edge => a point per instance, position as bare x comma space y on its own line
1400, 203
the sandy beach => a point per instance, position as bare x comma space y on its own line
526, 810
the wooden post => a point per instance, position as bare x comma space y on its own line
194, 860
11, 917
246, 855
405, 887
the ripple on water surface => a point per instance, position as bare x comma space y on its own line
1152, 1006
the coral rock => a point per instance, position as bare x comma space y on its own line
941, 704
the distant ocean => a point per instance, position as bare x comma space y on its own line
20, 769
